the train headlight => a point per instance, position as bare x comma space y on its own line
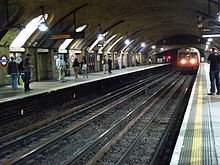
192, 61
183, 61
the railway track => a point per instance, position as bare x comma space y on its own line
76, 133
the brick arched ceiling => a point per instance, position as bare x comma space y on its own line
159, 19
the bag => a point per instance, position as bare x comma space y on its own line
84, 67
20, 81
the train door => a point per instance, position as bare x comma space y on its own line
91, 62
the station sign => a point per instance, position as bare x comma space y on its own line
72, 58
74, 35
3, 60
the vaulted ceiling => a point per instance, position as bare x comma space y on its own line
150, 20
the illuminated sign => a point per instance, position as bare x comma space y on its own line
210, 30
75, 35
60, 36
3, 60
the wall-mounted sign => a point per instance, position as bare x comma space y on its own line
62, 51
3, 60
41, 50
210, 30
75, 35
11, 49
72, 58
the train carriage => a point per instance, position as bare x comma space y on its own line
188, 60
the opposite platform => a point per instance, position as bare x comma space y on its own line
8, 94
199, 137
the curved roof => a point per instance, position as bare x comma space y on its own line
148, 20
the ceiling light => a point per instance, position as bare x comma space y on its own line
81, 28
143, 45
100, 37
127, 41
211, 35
43, 26
153, 47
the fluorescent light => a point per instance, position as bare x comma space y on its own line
81, 28
100, 37
211, 35
43, 26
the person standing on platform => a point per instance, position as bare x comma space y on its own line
27, 72
109, 65
76, 67
119, 62
14, 72
214, 61
149, 61
61, 66
104, 64
84, 67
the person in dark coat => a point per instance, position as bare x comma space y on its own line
214, 61
14, 72
27, 72
109, 65
76, 67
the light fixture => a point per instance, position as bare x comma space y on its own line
127, 41
211, 35
192, 61
183, 61
143, 45
100, 37
43, 26
81, 28
153, 47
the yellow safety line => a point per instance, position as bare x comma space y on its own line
196, 155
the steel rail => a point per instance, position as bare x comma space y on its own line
149, 102
101, 152
70, 113
169, 127
132, 146
73, 128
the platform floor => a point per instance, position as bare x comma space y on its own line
7, 93
199, 138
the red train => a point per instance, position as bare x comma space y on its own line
188, 60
